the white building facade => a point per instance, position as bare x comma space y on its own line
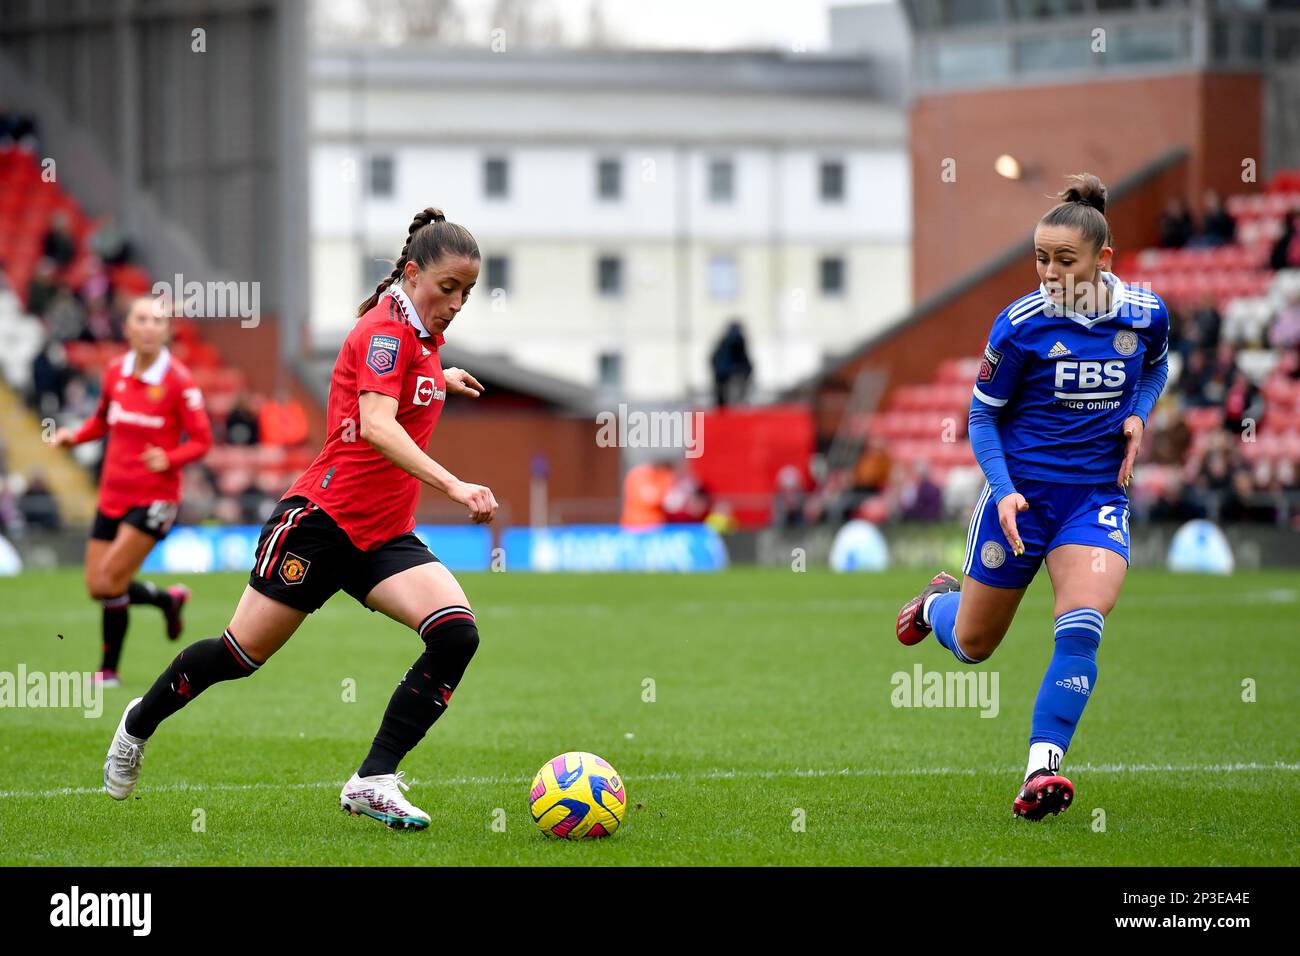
628, 205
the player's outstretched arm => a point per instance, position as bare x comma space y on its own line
380, 429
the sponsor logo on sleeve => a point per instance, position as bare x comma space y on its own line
381, 355
427, 391
989, 367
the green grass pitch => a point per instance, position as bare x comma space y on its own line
771, 738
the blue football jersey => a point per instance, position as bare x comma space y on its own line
1064, 382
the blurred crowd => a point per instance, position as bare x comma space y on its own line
1198, 443
78, 293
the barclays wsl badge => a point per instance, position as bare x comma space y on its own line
992, 554
1126, 342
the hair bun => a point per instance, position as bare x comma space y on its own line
1087, 189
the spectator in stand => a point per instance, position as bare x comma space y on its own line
198, 496
50, 376
687, 501
920, 499
59, 244
241, 423
731, 366
39, 507
1284, 333
1171, 438
1243, 404
871, 473
1214, 471
644, 490
282, 420
99, 317
1242, 504
1286, 250
1176, 225
1208, 324
64, 316
1195, 377
1177, 502
44, 283
789, 499
11, 516
18, 130
1217, 227
110, 243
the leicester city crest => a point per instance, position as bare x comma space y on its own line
1126, 342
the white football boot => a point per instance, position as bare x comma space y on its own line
122, 764
380, 797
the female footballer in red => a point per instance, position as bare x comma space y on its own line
147, 403
346, 524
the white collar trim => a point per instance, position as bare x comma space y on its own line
1118, 296
408, 309
156, 371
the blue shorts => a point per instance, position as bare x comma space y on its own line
1095, 516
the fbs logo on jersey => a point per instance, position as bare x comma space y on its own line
989, 367
381, 355
293, 569
426, 391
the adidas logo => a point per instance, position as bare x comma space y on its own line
1116, 535
1058, 350
423, 350
1077, 684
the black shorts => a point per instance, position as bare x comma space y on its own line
155, 519
303, 558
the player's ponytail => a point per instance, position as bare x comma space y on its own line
1083, 207
429, 237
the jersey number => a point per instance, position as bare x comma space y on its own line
1106, 516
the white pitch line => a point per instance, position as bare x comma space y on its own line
1117, 768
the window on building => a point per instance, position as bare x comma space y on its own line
724, 277
497, 273
609, 275
380, 179
609, 369
832, 275
496, 177
831, 180
722, 180
609, 178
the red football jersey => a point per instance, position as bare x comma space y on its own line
136, 411
387, 351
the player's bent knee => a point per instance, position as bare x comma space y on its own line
450, 635
980, 644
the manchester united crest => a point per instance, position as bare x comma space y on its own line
155, 393
293, 569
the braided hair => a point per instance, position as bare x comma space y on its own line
428, 239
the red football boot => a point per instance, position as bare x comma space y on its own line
1045, 791
910, 628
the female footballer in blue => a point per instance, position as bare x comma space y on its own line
1070, 374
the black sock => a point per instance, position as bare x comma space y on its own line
450, 638
146, 592
194, 670
116, 618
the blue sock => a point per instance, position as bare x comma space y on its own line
943, 620
1070, 677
